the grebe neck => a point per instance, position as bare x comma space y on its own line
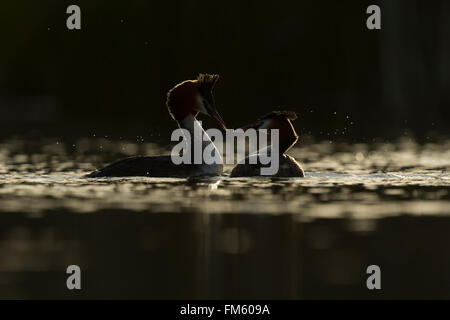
288, 137
199, 139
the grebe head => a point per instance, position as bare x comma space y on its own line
280, 120
192, 97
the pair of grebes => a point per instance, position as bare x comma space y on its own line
184, 102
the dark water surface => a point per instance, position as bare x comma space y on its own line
383, 204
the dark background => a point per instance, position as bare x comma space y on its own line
314, 57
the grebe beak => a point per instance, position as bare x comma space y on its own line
210, 109
214, 114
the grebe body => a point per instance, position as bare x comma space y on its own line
184, 102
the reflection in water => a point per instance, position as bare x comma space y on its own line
227, 238
189, 255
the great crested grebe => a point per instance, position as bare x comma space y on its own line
184, 102
288, 166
